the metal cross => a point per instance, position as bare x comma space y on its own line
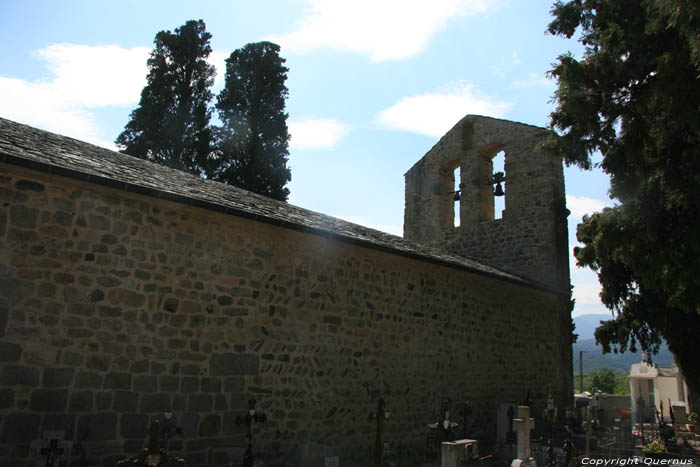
571, 453
550, 413
51, 452
153, 454
380, 416
251, 418
168, 429
465, 412
444, 425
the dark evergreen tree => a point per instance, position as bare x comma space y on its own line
253, 141
171, 124
635, 97
603, 380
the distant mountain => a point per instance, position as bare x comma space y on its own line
586, 324
593, 357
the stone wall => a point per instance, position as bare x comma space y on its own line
115, 307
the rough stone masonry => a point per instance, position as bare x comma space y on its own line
129, 289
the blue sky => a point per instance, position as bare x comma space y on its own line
372, 84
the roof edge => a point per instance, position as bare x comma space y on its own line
211, 206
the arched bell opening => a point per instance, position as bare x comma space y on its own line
451, 193
491, 182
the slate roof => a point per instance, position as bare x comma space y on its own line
48, 152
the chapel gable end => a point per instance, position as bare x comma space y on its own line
452, 199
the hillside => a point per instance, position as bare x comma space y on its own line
593, 357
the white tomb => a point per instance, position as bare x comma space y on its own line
455, 451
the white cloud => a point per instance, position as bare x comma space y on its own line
218, 59
434, 113
587, 293
534, 80
580, 206
383, 29
86, 76
586, 286
316, 133
83, 78
37, 104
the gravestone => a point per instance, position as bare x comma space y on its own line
523, 425
459, 452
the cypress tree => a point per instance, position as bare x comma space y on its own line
634, 96
171, 124
252, 144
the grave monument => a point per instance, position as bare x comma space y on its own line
523, 424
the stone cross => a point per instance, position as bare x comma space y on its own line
523, 425
51, 452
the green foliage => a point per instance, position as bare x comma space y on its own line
635, 96
171, 124
604, 380
253, 141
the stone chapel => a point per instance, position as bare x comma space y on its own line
128, 290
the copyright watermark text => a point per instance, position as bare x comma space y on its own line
622, 461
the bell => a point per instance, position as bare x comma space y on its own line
456, 197
498, 191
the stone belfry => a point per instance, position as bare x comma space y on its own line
530, 239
